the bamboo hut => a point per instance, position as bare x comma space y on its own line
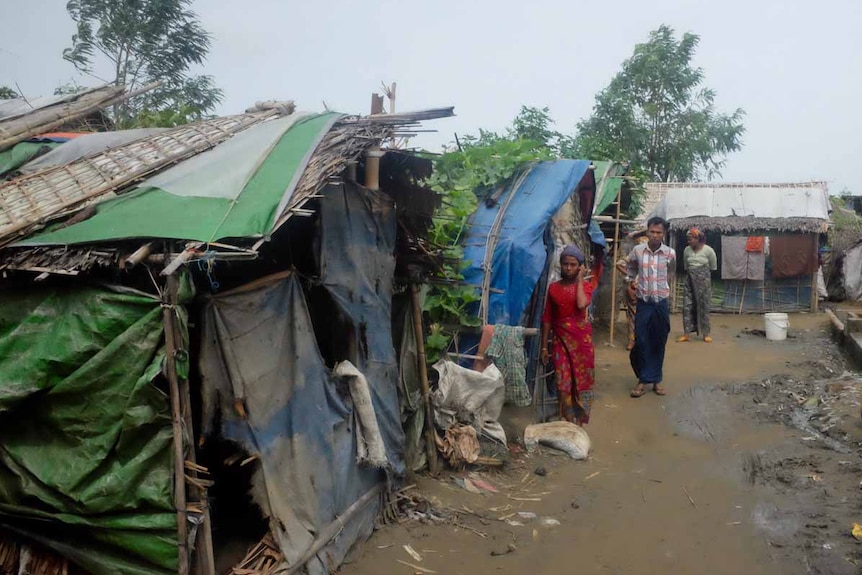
205, 346
766, 237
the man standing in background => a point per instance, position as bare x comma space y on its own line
653, 265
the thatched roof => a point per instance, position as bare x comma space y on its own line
28, 203
743, 224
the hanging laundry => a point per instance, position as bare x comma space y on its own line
794, 255
739, 264
507, 352
754, 244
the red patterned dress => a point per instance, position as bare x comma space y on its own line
572, 351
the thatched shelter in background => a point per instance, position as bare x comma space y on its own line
766, 236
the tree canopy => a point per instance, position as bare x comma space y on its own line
146, 41
7, 93
657, 115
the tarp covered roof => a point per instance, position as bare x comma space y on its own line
514, 228
86, 145
237, 189
748, 204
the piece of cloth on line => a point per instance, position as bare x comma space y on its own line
738, 264
507, 352
793, 255
754, 244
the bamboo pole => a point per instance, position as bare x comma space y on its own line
430, 443
329, 532
177, 425
614, 267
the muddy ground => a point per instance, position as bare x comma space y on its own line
751, 464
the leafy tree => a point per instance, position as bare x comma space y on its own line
7, 93
657, 115
146, 41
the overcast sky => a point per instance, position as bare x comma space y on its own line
794, 66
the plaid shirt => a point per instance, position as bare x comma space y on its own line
651, 269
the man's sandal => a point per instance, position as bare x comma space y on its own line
707, 339
639, 390
659, 389
683, 338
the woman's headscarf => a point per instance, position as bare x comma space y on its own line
696, 233
573, 251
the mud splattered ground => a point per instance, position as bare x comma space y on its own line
752, 464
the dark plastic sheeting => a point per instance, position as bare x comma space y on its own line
259, 350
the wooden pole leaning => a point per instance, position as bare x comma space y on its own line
430, 434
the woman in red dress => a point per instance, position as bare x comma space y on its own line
572, 344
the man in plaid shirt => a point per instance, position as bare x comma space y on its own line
653, 264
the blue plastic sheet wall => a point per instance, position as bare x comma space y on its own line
521, 252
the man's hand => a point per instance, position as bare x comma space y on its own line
545, 356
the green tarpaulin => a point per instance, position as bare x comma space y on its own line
85, 462
20, 154
236, 190
608, 185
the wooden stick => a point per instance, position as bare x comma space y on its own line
430, 443
614, 267
690, 500
331, 530
204, 551
416, 567
177, 425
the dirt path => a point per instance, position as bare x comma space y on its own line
712, 478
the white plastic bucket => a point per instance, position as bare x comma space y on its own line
776, 326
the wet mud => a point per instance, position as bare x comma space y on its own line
751, 464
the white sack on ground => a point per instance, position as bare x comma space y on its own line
472, 397
562, 435
370, 445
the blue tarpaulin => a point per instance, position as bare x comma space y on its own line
596, 235
516, 225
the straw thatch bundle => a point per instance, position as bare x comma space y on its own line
744, 224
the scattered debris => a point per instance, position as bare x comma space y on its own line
541, 471
416, 567
510, 549
528, 515
412, 552
460, 445
857, 531
548, 522
690, 500
591, 475
482, 484
264, 558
